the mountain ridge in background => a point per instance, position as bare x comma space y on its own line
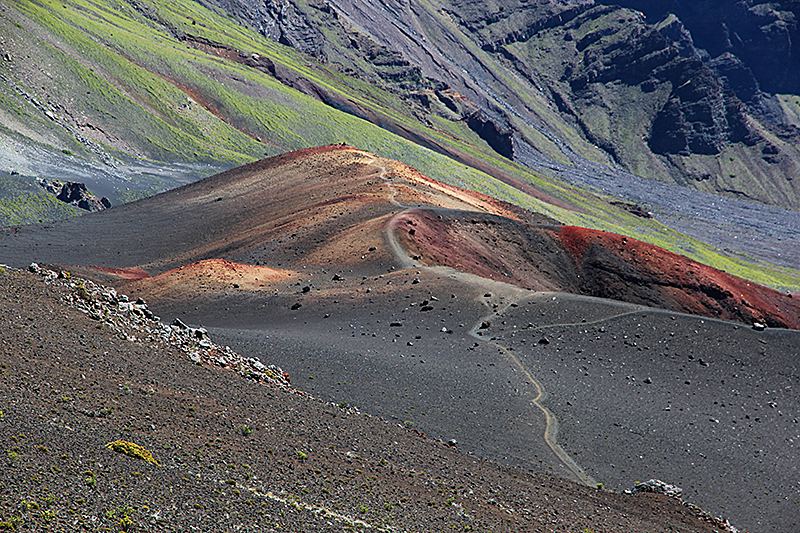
169, 94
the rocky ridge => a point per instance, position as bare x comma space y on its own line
76, 194
133, 321
702, 119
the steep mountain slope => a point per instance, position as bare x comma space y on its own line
172, 92
157, 85
762, 37
567, 78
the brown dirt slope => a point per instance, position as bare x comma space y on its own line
230, 452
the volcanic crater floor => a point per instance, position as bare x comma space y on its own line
634, 392
323, 262
230, 453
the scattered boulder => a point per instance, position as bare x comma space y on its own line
632, 209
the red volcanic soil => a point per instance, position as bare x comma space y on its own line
612, 265
588, 262
210, 275
132, 273
328, 208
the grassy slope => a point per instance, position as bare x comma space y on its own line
138, 78
26, 203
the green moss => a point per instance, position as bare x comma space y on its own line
26, 203
11, 524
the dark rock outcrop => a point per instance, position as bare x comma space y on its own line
695, 88
76, 194
499, 138
279, 20
700, 117
762, 35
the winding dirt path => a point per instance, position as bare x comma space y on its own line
551, 422
513, 295
400, 253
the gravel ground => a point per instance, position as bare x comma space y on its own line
214, 451
115, 178
615, 377
422, 347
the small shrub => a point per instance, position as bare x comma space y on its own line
132, 450
126, 523
83, 292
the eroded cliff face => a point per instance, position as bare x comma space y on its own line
762, 35
648, 95
681, 93
280, 20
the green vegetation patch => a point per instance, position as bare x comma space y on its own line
26, 203
132, 449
